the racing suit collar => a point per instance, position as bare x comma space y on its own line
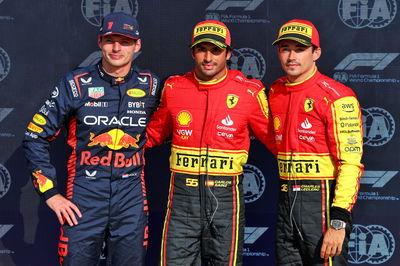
212, 84
303, 84
114, 80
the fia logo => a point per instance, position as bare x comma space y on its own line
358, 14
249, 61
373, 244
379, 126
94, 10
5, 181
253, 183
5, 64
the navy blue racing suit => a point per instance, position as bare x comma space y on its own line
106, 118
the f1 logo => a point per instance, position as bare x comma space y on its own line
379, 61
225, 4
251, 234
4, 228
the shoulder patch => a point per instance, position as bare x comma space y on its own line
334, 89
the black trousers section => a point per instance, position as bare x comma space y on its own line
204, 221
114, 212
302, 219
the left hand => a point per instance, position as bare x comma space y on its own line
332, 243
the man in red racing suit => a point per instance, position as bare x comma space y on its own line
210, 113
318, 131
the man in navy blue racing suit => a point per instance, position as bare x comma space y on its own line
106, 108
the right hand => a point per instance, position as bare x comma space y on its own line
64, 209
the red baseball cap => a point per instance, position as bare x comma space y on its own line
212, 31
302, 31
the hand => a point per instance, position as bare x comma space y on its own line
333, 242
64, 209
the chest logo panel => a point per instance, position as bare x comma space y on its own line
96, 92
232, 100
135, 93
184, 118
308, 105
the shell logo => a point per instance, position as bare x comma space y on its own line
277, 123
39, 119
136, 93
184, 118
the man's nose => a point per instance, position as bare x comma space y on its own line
292, 55
116, 46
208, 56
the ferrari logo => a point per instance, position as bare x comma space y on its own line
308, 105
232, 100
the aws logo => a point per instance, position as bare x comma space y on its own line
348, 107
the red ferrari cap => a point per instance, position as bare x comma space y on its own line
302, 31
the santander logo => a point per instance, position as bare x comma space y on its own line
306, 124
227, 121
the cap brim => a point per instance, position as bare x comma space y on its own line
304, 42
116, 33
217, 43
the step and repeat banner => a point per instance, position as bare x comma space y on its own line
42, 40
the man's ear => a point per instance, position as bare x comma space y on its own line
317, 53
228, 53
138, 45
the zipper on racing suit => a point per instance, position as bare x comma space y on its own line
292, 203
209, 214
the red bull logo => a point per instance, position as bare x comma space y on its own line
117, 159
43, 182
127, 141
114, 139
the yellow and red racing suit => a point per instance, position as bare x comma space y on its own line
210, 124
318, 133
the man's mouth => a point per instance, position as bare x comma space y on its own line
115, 56
208, 66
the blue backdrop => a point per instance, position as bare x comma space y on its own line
42, 40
